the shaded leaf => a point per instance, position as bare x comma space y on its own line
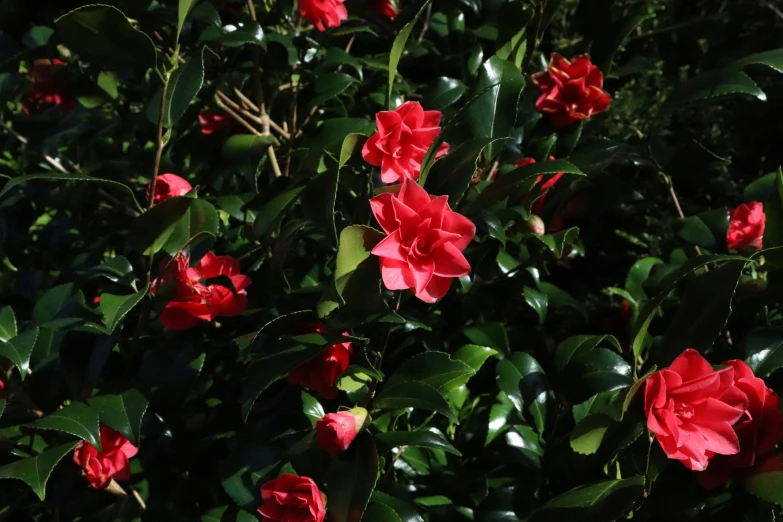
35, 471
115, 307
77, 419
352, 477
122, 413
420, 438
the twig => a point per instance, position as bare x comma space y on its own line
56, 164
236, 116
13, 133
427, 16
774, 9
263, 120
159, 144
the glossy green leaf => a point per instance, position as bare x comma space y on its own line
200, 219
493, 335
381, 513
413, 394
451, 175
420, 439
605, 48
329, 86
103, 35
637, 275
312, 408
714, 84
319, 199
521, 378
184, 84
538, 302
35, 471
352, 477
57, 176
270, 214
19, 349
7, 323
493, 114
766, 486
246, 147
398, 47
596, 371
588, 433
580, 345
473, 355
115, 307
772, 59
123, 412
601, 502
232, 36
150, 231
356, 243
511, 43
59, 302
444, 93
183, 9
329, 138
773, 229
436, 369
77, 419
407, 512
707, 229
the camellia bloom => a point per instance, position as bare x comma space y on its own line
194, 299
212, 123
322, 371
402, 140
47, 88
169, 186
323, 13
290, 498
539, 203
100, 467
424, 243
746, 225
571, 91
386, 8
335, 431
759, 430
691, 408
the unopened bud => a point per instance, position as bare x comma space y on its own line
535, 225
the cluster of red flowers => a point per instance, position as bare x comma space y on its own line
724, 423
48, 88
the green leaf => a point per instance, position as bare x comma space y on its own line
56, 176
122, 413
763, 350
580, 345
35, 471
537, 301
762, 189
246, 147
500, 417
766, 486
407, 512
559, 298
597, 371
103, 35
200, 219
398, 47
589, 432
444, 93
319, 198
436, 369
772, 59
328, 86
707, 229
184, 84
231, 36
493, 335
521, 378
713, 84
511, 43
380, 513
115, 307
19, 349
2, 407
271, 213
636, 387
493, 114
605, 48
234, 205
451, 176
352, 477
601, 502
473, 355
637, 275
329, 138
58, 302
182, 13
356, 244
702, 314
773, 229
312, 408
420, 438
7, 323
77, 419
508, 185
413, 394
150, 231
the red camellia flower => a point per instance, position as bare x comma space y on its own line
100, 467
335, 431
48, 88
539, 203
570, 90
759, 430
386, 8
212, 123
290, 498
402, 140
169, 186
691, 409
424, 242
323, 13
322, 371
746, 225
194, 299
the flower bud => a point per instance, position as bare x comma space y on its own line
535, 225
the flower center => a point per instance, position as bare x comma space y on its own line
686, 412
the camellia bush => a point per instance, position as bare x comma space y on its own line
391, 261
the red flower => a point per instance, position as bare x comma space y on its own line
386, 8
48, 88
2, 390
335, 431
746, 225
570, 90
192, 300
322, 371
212, 123
402, 140
100, 467
169, 186
323, 13
539, 203
759, 430
423, 248
290, 498
691, 409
